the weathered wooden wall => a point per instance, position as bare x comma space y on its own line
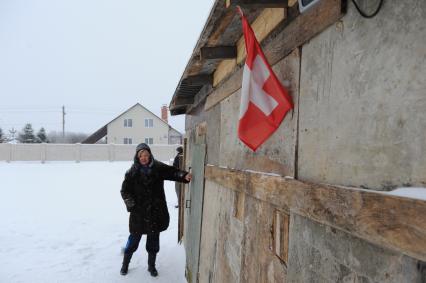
318, 252
359, 120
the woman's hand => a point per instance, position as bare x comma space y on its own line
188, 177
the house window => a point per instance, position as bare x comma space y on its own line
149, 123
127, 140
149, 140
128, 123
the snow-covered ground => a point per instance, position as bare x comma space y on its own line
66, 222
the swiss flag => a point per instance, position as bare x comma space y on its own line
264, 101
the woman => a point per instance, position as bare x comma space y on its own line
143, 193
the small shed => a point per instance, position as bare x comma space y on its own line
316, 202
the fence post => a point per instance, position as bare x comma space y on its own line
12, 151
111, 152
78, 152
9, 154
43, 152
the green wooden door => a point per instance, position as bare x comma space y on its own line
193, 212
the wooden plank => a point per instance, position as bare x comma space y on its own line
194, 212
198, 80
239, 202
184, 100
291, 3
257, 3
393, 222
223, 70
221, 26
296, 33
199, 99
218, 52
280, 235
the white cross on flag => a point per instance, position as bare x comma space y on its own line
264, 101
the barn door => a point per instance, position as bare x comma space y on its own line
193, 212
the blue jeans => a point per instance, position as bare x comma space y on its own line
152, 243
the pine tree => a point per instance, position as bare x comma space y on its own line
27, 134
41, 136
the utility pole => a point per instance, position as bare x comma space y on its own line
63, 123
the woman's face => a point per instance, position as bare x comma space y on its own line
144, 157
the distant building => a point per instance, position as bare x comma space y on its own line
136, 125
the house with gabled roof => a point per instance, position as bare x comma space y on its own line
137, 124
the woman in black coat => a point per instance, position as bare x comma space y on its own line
143, 193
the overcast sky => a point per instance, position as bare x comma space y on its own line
95, 57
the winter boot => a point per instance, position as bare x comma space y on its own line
125, 266
151, 264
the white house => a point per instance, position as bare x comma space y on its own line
135, 125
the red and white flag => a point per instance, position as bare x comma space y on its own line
264, 101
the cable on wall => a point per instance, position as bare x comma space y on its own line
366, 15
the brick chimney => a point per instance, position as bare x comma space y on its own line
164, 113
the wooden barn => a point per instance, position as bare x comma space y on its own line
324, 199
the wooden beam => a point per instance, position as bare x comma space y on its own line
257, 3
393, 222
218, 52
198, 80
184, 100
178, 110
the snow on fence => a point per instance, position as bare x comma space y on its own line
79, 152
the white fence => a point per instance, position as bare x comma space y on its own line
79, 152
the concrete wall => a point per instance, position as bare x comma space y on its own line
79, 152
319, 253
363, 100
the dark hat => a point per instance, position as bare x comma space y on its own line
143, 146
179, 149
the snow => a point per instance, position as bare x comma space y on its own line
66, 222
409, 192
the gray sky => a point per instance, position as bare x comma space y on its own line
96, 57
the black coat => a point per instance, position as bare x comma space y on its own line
143, 194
